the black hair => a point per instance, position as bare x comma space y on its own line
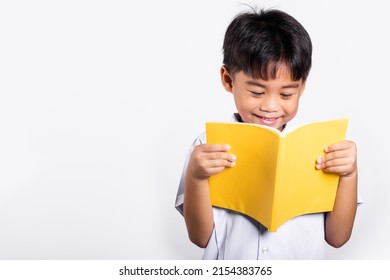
258, 43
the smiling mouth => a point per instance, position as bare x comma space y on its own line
267, 121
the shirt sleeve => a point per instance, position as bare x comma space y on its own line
180, 192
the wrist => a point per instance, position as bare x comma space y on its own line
351, 174
195, 180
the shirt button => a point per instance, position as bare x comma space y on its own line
264, 250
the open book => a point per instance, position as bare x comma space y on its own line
275, 178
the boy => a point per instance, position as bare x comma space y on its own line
267, 59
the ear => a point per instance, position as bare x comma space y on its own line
226, 79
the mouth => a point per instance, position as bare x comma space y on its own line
268, 121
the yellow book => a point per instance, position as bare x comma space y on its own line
275, 178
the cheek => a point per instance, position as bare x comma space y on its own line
242, 103
246, 106
291, 108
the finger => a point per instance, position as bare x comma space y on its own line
221, 155
334, 162
343, 145
221, 163
337, 155
211, 148
216, 166
340, 166
216, 170
338, 169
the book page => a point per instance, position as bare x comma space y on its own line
247, 187
302, 188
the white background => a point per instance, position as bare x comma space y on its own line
100, 100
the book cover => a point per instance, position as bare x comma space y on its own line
275, 178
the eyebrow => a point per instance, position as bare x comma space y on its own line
253, 83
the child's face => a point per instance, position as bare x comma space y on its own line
272, 103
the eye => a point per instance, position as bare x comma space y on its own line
286, 95
256, 94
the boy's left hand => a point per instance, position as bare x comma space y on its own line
339, 158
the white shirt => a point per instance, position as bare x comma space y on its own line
236, 236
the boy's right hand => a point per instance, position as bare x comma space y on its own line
209, 159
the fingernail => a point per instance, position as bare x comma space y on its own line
326, 149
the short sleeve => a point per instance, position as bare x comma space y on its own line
201, 139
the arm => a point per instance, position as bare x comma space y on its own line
206, 160
340, 159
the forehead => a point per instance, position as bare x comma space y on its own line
281, 74
270, 71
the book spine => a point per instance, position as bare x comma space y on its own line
278, 183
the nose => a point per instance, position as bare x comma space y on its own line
269, 104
